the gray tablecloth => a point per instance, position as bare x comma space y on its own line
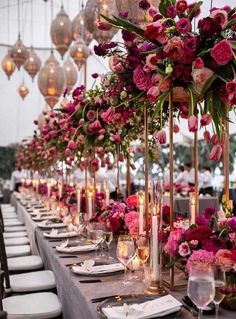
181, 204
75, 296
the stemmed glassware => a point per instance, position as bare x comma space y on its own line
201, 285
125, 252
143, 251
108, 237
95, 236
219, 276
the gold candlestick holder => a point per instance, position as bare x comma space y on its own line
155, 288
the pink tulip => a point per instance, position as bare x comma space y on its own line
116, 138
193, 123
216, 153
94, 127
161, 137
71, 145
214, 139
176, 129
205, 119
67, 152
121, 158
153, 93
104, 26
207, 136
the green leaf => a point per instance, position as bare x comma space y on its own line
208, 83
192, 103
153, 51
233, 43
194, 9
231, 22
231, 12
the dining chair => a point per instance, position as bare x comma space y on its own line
27, 282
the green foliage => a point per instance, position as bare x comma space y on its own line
7, 161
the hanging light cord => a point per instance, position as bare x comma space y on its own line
8, 22
51, 24
211, 4
18, 7
82, 9
32, 31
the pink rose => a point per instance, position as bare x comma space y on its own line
184, 249
153, 93
216, 153
151, 61
224, 260
221, 16
161, 137
141, 79
200, 76
198, 63
205, 119
193, 123
91, 115
231, 87
222, 52
174, 49
183, 26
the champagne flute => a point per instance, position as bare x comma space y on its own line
125, 252
96, 236
219, 289
143, 251
201, 286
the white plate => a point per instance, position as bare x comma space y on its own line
52, 225
75, 249
98, 270
60, 235
41, 218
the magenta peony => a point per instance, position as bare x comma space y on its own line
222, 52
141, 79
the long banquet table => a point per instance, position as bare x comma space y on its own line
75, 296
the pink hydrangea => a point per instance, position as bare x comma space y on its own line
200, 256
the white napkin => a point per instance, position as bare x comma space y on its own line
66, 249
102, 269
53, 232
150, 309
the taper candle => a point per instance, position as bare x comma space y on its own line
155, 265
141, 211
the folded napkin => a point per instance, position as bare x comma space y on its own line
53, 232
65, 249
150, 309
102, 269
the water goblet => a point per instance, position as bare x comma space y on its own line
201, 285
219, 276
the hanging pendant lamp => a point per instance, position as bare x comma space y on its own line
79, 29
32, 64
23, 90
51, 81
8, 65
70, 73
61, 32
19, 53
79, 52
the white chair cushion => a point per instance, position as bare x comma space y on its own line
14, 228
17, 251
43, 305
12, 222
33, 281
25, 263
16, 241
15, 235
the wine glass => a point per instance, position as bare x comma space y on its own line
125, 252
201, 285
219, 276
143, 251
96, 237
108, 237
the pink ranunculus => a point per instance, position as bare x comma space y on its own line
183, 26
153, 93
91, 115
161, 137
193, 123
141, 79
174, 49
215, 153
231, 87
224, 259
205, 119
221, 16
200, 76
198, 63
184, 249
207, 136
153, 30
222, 52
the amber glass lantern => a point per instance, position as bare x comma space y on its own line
32, 64
19, 53
8, 65
79, 52
23, 90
